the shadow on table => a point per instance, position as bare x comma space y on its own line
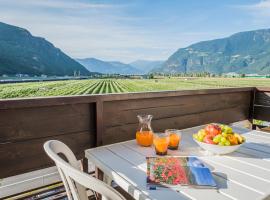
255, 150
221, 180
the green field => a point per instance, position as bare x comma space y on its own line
99, 86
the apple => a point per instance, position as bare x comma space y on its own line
208, 139
213, 129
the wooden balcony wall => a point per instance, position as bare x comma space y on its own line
86, 121
261, 109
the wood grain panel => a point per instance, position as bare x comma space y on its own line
125, 112
21, 157
38, 122
262, 98
228, 115
262, 113
133, 104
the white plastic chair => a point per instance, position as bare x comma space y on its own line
75, 181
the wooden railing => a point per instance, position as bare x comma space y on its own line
86, 121
262, 104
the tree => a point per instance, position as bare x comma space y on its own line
151, 76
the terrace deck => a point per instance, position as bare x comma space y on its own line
83, 122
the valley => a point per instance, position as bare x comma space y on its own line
105, 86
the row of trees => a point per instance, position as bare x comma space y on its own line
198, 74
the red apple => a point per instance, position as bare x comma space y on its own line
213, 129
208, 139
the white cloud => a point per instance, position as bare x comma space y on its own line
261, 8
58, 4
83, 29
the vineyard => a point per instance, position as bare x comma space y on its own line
100, 86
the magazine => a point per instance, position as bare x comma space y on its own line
174, 171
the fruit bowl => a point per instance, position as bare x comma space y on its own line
218, 139
217, 149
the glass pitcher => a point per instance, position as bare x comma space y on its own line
144, 134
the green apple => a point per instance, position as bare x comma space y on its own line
200, 138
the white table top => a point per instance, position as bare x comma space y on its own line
244, 174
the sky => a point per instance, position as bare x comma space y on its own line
128, 30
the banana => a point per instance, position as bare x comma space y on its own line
240, 138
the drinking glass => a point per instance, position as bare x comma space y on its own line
175, 138
161, 142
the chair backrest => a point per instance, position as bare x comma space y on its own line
76, 182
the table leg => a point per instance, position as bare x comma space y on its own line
99, 174
107, 180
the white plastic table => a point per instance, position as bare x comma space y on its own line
244, 174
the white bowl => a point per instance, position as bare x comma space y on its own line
217, 149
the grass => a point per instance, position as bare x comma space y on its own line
99, 86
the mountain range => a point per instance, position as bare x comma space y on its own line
23, 53
109, 67
146, 65
244, 52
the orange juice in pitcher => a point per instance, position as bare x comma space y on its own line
144, 134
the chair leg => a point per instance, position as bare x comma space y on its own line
99, 175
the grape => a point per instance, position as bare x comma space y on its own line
227, 129
222, 127
227, 143
224, 134
221, 143
217, 138
223, 139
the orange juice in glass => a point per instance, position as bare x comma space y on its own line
161, 142
144, 134
175, 138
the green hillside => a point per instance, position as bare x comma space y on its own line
244, 52
22, 53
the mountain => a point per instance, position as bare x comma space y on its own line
146, 65
104, 67
244, 52
22, 53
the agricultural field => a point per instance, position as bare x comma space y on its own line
100, 86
